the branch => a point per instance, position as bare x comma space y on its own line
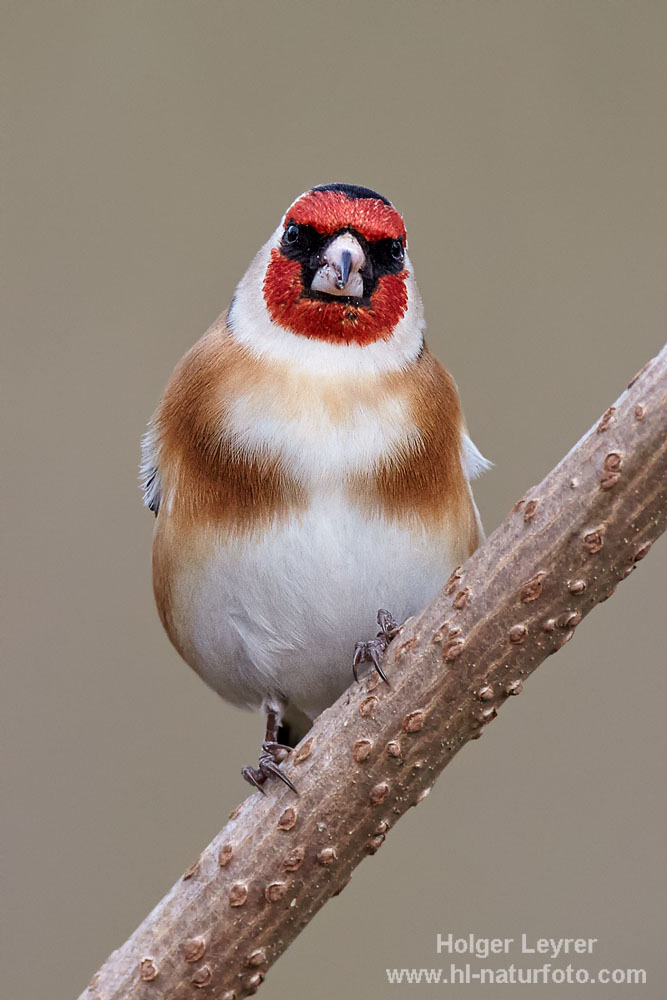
563, 548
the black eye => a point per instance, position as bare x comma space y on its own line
291, 234
397, 250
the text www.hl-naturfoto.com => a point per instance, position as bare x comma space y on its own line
462, 974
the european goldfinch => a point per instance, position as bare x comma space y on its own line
307, 463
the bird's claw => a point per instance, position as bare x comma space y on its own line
278, 751
267, 766
389, 627
370, 652
373, 650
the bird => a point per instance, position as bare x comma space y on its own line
308, 463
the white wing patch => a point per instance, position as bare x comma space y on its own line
474, 463
149, 471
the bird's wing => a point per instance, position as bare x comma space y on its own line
149, 471
474, 462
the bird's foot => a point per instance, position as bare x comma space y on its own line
272, 755
373, 650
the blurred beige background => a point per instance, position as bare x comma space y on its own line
151, 146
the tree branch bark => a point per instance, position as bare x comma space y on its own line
563, 548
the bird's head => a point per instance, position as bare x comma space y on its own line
335, 270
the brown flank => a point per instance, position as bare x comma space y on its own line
426, 483
206, 477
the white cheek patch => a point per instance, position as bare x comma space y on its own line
251, 325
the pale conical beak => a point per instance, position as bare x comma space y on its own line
340, 267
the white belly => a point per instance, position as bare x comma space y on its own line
278, 616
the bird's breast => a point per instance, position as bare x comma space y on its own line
326, 432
